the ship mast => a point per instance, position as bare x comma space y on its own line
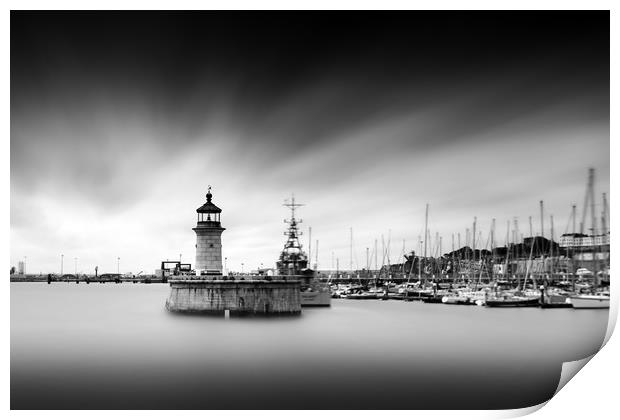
292, 253
425, 237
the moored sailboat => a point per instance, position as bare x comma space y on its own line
595, 301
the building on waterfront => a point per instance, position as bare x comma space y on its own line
208, 238
579, 240
20, 268
591, 252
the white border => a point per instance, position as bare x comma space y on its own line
591, 395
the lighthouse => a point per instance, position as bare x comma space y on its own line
208, 238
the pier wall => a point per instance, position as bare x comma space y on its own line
251, 297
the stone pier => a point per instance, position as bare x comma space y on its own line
215, 295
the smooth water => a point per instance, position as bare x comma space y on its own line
114, 346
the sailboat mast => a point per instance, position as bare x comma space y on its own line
516, 235
389, 264
453, 266
440, 249
382, 257
473, 244
403, 256
604, 216
316, 255
605, 237
440, 260
591, 188
473, 248
376, 252
551, 248
507, 247
467, 244
309, 244
425, 236
527, 266
419, 259
382, 253
542, 220
492, 248
351, 252
389, 245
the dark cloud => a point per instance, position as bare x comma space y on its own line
108, 107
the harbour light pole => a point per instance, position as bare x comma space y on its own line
118, 265
62, 257
225, 269
242, 268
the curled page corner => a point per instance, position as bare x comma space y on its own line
570, 369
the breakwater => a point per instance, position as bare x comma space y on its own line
214, 295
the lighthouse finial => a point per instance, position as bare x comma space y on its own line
209, 195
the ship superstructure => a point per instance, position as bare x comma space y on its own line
293, 260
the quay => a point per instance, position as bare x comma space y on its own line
214, 295
52, 278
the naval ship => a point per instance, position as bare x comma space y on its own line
293, 261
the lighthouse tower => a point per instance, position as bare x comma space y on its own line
209, 238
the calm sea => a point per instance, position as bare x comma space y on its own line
114, 346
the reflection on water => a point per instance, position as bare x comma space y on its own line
115, 346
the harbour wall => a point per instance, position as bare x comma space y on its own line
239, 297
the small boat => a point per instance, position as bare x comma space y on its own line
554, 298
419, 294
436, 297
551, 305
432, 299
512, 301
393, 296
597, 301
407, 286
457, 299
362, 296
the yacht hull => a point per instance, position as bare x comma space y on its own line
512, 303
590, 302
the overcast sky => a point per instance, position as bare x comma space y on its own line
119, 122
